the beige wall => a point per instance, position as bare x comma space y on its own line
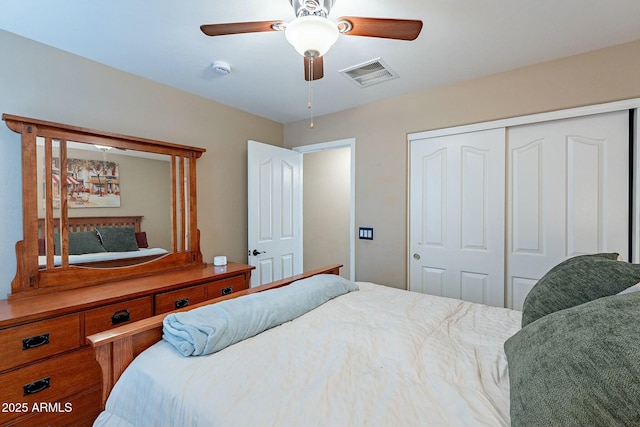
381, 129
45, 83
327, 194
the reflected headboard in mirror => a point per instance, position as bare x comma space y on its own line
100, 207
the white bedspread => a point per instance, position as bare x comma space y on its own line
375, 357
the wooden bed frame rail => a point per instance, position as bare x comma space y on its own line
116, 348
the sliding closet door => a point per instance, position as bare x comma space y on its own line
568, 194
456, 225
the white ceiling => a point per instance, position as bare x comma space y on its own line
461, 39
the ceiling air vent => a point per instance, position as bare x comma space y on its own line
369, 73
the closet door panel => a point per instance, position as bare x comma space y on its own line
432, 281
527, 198
520, 287
474, 195
474, 287
586, 172
433, 192
567, 195
457, 216
536, 204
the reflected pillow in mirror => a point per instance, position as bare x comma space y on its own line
81, 242
118, 239
141, 239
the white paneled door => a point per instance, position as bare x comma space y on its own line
568, 194
274, 212
456, 205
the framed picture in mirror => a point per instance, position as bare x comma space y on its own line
89, 183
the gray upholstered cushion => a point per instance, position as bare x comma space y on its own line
578, 367
81, 242
118, 239
578, 280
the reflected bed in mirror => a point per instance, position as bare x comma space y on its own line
102, 242
78, 185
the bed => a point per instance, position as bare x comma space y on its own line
382, 356
101, 241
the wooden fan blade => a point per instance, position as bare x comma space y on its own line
397, 29
318, 68
239, 28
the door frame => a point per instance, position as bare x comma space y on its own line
332, 145
630, 104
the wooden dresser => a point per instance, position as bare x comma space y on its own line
48, 375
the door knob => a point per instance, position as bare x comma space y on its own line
257, 252
416, 256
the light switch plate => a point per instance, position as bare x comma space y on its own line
365, 233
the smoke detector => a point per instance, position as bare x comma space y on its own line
220, 67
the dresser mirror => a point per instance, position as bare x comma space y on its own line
99, 207
105, 181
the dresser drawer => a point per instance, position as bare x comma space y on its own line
110, 316
225, 286
33, 341
168, 301
52, 380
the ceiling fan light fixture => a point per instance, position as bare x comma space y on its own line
311, 36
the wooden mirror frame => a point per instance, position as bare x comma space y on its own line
30, 279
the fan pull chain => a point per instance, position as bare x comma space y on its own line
309, 105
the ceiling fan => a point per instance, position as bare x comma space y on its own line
312, 33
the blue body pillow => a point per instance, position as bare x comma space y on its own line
213, 327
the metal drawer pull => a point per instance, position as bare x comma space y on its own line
182, 303
34, 342
37, 386
120, 317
